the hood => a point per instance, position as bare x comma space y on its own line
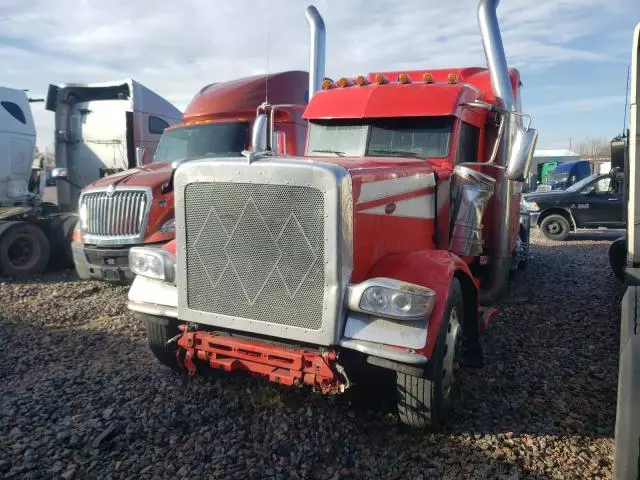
152, 175
542, 196
416, 173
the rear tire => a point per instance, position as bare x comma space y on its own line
555, 227
428, 402
618, 257
159, 331
24, 250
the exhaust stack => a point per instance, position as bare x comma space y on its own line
501, 85
317, 53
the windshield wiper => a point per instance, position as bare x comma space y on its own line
336, 152
393, 152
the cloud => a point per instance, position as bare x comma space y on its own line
587, 104
175, 49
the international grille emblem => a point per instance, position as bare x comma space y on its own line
111, 190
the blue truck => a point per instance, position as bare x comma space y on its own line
565, 175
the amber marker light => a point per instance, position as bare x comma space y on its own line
452, 78
427, 77
361, 80
404, 78
380, 79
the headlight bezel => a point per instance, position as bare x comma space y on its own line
164, 268
422, 299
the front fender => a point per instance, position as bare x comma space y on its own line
434, 269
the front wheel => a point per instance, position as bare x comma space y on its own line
555, 227
428, 402
160, 331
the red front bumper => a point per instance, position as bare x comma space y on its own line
288, 366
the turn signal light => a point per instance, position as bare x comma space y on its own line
326, 84
404, 78
361, 80
380, 79
452, 78
427, 77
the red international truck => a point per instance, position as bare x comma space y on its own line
135, 207
368, 257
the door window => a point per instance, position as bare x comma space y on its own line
15, 111
603, 186
157, 125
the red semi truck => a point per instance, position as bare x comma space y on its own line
135, 206
369, 256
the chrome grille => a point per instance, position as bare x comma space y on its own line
120, 216
256, 251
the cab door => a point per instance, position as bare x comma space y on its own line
600, 204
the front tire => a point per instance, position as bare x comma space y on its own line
555, 227
428, 402
159, 331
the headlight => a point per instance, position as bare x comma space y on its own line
392, 298
530, 206
153, 263
83, 214
168, 226
76, 236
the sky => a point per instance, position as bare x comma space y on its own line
573, 55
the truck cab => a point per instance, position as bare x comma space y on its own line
360, 259
136, 206
565, 175
104, 128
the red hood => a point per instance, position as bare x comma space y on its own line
370, 169
152, 175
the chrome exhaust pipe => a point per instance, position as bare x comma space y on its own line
501, 85
317, 53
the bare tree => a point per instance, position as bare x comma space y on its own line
594, 149
49, 158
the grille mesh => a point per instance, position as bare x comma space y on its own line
256, 251
122, 214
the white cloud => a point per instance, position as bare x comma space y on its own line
588, 104
176, 48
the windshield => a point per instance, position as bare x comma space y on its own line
582, 183
381, 137
558, 177
205, 140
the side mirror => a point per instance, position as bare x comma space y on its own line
521, 154
59, 173
139, 156
279, 144
259, 134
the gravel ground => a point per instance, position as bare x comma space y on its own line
82, 397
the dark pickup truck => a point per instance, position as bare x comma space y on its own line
596, 201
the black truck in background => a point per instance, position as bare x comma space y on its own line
594, 202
